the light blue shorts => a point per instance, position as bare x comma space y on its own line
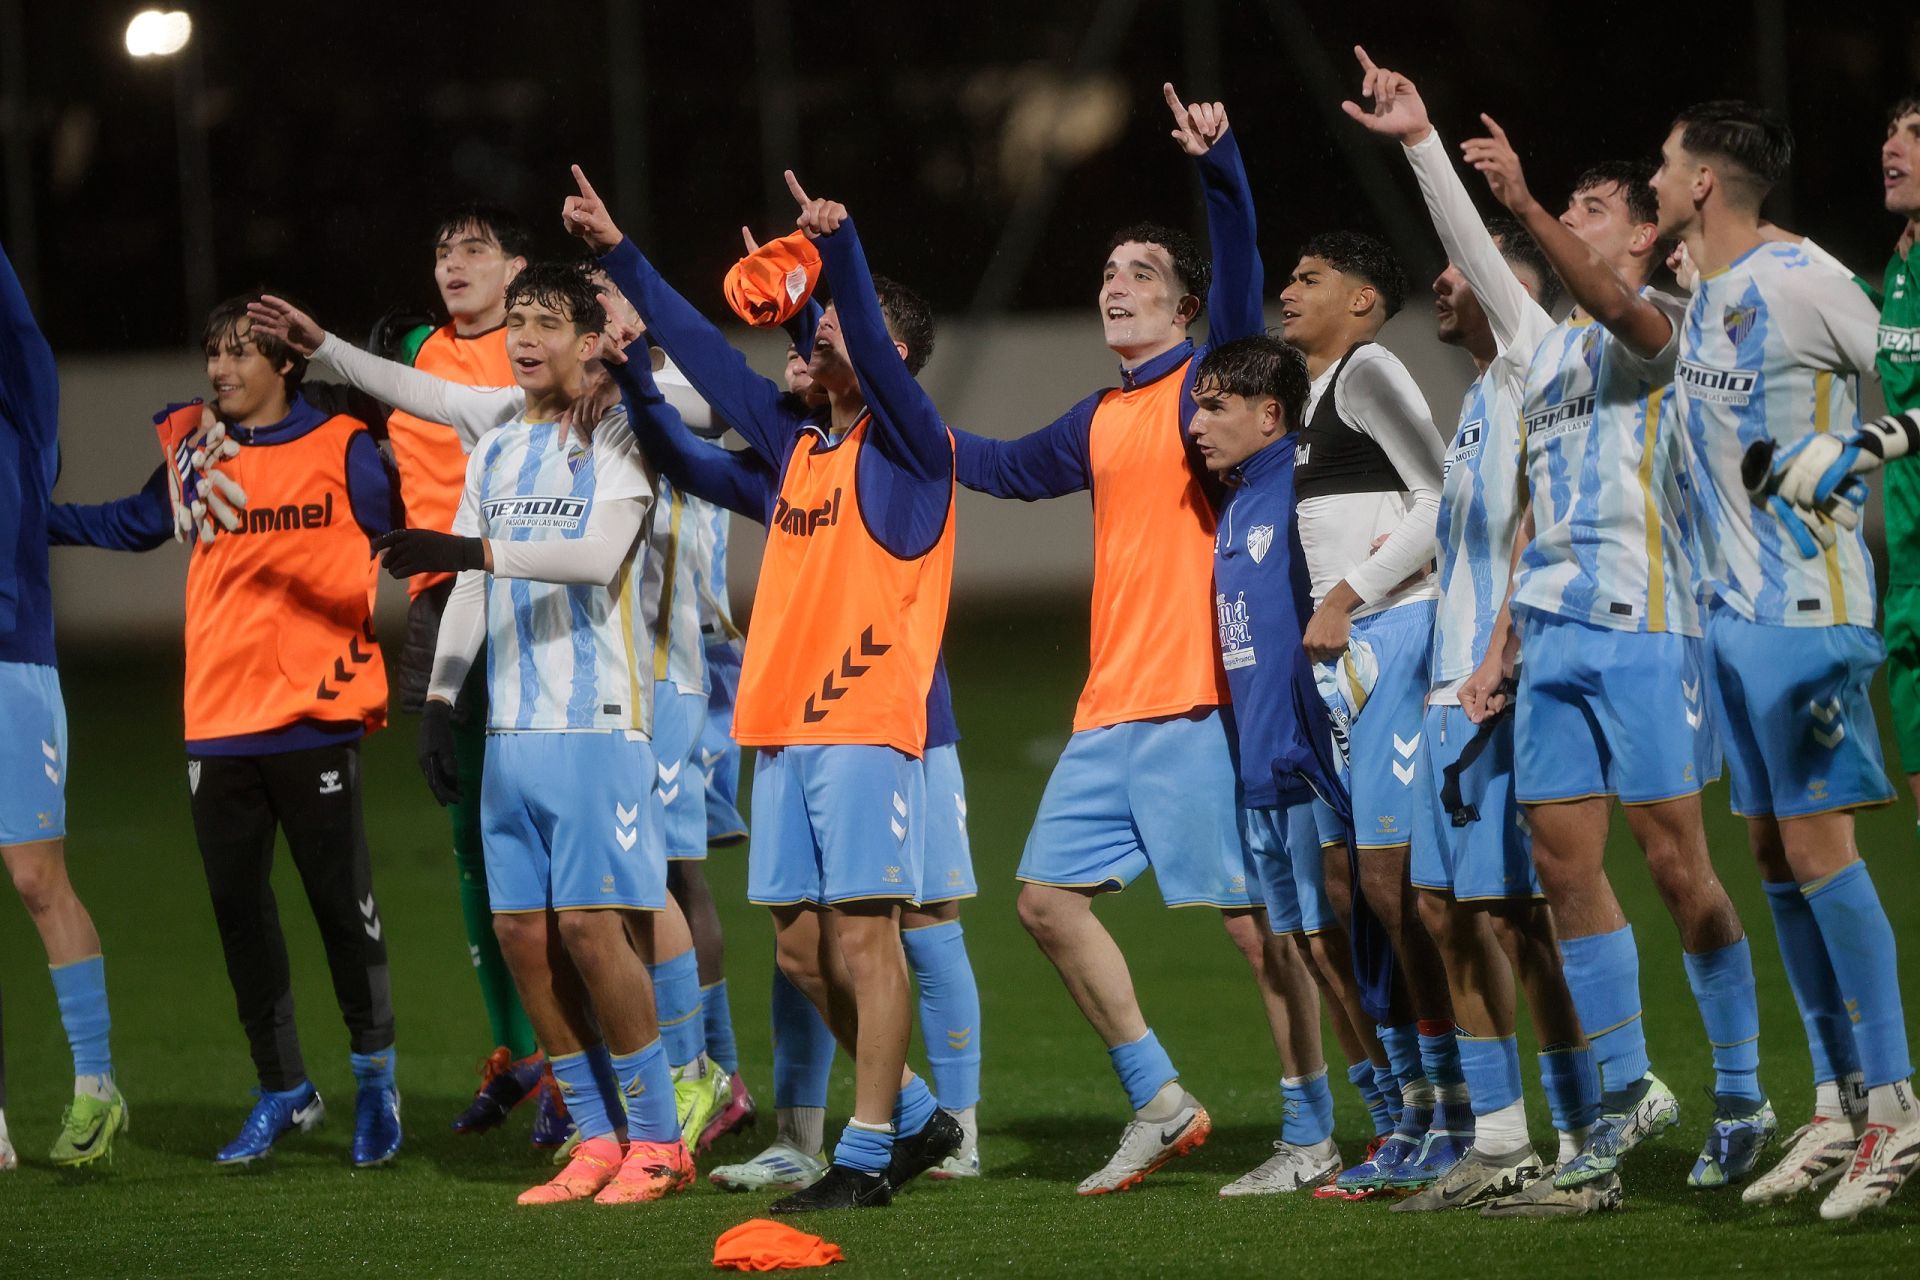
33, 754
1383, 772
1478, 850
1146, 793
718, 753
569, 820
836, 824
1796, 716
678, 719
1601, 712
947, 863
1285, 847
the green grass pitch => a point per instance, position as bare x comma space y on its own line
1051, 1109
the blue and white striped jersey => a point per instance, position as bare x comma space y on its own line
670, 589
1609, 481
1773, 347
718, 633
561, 656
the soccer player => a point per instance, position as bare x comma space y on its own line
1367, 494
1771, 353
849, 611
477, 251
1249, 395
1148, 777
283, 678
550, 547
1898, 365
1605, 614
33, 764
1479, 894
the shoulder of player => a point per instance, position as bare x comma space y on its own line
1371, 366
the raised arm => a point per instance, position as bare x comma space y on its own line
906, 427
751, 404
1601, 291
1234, 301
1382, 395
470, 411
1047, 463
1399, 113
742, 482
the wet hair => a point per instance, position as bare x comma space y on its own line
498, 223
565, 287
228, 323
1520, 249
909, 320
1190, 264
1364, 257
1907, 106
1632, 178
1753, 139
1258, 367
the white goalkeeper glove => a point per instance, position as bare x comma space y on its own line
1815, 467
1812, 527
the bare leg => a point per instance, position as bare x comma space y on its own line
1286, 990
1383, 879
867, 935
1524, 930
687, 879
1088, 959
613, 974
39, 873
1478, 977
1675, 842
549, 984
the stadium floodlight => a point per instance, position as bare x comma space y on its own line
155, 34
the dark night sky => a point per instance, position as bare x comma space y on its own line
339, 130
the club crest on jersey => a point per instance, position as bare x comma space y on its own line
1259, 539
1738, 322
576, 457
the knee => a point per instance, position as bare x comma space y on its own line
519, 932
583, 932
1436, 913
1046, 911
1245, 929
800, 964
41, 884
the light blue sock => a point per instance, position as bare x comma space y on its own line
1603, 977
868, 1150
1308, 1104
913, 1108
581, 1092
1492, 1070
1571, 1082
374, 1069
717, 1015
1363, 1076
1816, 991
1143, 1067
1440, 1053
81, 988
802, 1048
1861, 947
676, 999
1722, 982
600, 1063
949, 1011
646, 1086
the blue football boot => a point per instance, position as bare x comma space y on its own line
1740, 1131
1404, 1144
376, 1124
273, 1115
1444, 1146
552, 1126
1645, 1110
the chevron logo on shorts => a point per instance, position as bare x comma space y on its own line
960, 807
1403, 767
899, 821
626, 825
1828, 715
1695, 713
670, 781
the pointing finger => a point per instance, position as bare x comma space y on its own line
586, 188
799, 192
1366, 63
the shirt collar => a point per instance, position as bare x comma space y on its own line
1265, 462
1157, 368
301, 418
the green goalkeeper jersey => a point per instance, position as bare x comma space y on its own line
1899, 369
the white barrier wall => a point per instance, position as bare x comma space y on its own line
1001, 379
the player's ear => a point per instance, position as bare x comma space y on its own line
515, 265
901, 347
1365, 298
1272, 421
1188, 309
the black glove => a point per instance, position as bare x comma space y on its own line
437, 759
411, 551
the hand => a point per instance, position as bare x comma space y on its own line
438, 760
1489, 691
817, 217
1397, 111
1815, 468
746, 238
1197, 125
283, 320
586, 216
601, 395
1327, 632
1499, 163
1680, 262
411, 551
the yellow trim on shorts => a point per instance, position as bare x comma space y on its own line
935, 902
1814, 813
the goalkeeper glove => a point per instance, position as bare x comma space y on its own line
438, 760
1812, 529
411, 551
1816, 467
